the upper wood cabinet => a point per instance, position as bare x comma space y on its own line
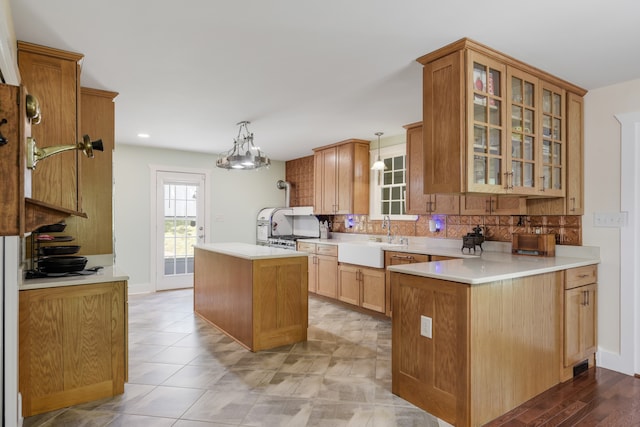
53, 77
341, 178
417, 202
94, 234
573, 202
493, 124
20, 212
481, 204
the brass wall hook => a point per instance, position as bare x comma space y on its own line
35, 154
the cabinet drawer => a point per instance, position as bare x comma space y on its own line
307, 247
405, 258
580, 276
331, 250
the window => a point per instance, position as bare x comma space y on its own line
388, 187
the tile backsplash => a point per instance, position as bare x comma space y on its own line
568, 229
299, 173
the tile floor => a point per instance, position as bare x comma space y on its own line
183, 372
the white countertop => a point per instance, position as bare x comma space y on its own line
490, 267
106, 274
494, 263
248, 251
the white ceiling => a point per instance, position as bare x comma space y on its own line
309, 73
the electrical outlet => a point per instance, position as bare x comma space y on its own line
610, 219
426, 326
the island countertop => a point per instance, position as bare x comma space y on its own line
491, 266
248, 251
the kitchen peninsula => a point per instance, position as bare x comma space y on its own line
255, 294
474, 338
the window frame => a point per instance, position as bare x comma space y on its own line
375, 202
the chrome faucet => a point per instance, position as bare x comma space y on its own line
386, 223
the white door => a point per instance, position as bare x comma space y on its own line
180, 213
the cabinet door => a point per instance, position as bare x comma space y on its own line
575, 156
471, 204
580, 338
72, 345
349, 284
52, 76
313, 273
395, 258
487, 153
344, 185
443, 124
327, 276
325, 181
417, 202
505, 205
492, 205
445, 204
94, 234
552, 172
373, 289
523, 146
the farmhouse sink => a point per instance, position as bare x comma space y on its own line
369, 254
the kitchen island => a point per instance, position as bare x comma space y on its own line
72, 339
255, 294
474, 338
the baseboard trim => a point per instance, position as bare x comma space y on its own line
614, 361
140, 288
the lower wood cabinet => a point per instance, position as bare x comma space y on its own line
72, 345
362, 286
580, 318
323, 268
397, 258
310, 248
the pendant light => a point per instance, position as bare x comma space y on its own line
244, 154
378, 165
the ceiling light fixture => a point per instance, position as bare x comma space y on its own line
378, 165
243, 154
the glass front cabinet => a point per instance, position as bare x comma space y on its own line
509, 136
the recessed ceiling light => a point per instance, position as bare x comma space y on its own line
143, 135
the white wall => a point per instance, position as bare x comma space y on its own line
602, 194
236, 198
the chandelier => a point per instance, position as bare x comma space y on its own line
244, 154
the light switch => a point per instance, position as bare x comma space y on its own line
426, 326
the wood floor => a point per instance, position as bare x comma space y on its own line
597, 397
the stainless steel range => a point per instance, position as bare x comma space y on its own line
281, 227
285, 242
